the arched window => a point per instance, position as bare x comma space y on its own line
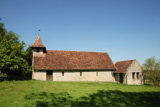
133, 75
137, 75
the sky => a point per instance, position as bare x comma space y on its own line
126, 29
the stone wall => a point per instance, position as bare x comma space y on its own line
85, 76
75, 76
39, 75
134, 68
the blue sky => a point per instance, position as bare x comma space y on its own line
126, 29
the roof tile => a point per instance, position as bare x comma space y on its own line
73, 60
122, 66
38, 43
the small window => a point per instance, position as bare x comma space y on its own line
96, 73
137, 75
62, 73
133, 74
80, 73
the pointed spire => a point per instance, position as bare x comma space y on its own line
38, 43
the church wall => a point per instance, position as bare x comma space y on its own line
75, 76
85, 76
39, 75
137, 78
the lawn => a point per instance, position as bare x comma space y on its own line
34, 93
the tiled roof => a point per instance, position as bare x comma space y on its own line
73, 60
38, 43
122, 66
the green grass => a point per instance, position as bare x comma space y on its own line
77, 94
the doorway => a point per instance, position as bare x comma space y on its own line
49, 76
121, 78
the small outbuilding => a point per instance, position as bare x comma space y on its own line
129, 72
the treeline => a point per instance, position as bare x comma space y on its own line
15, 59
151, 70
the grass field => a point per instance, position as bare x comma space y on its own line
76, 94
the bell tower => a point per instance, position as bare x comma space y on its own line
38, 47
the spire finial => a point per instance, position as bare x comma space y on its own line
38, 42
39, 31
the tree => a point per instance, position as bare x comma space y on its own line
2, 31
152, 70
29, 55
13, 57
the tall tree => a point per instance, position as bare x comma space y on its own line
29, 55
13, 57
2, 31
152, 70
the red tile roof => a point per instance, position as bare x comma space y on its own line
122, 66
38, 43
73, 60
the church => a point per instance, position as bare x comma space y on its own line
57, 65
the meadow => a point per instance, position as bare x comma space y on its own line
34, 93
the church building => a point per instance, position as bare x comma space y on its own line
57, 65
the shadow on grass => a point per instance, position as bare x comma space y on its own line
16, 76
99, 99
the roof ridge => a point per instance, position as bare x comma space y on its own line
77, 51
126, 60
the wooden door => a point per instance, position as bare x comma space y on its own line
121, 78
49, 75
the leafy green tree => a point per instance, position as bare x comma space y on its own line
29, 55
2, 31
152, 70
13, 57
